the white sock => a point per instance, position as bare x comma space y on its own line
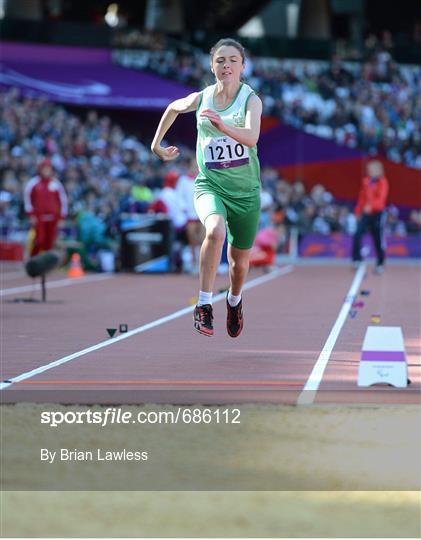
204, 298
233, 300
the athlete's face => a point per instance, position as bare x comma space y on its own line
227, 64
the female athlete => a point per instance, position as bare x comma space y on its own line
227, 187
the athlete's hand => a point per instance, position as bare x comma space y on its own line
213, 118
166, 154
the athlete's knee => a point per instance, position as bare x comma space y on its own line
215, 233
239, 265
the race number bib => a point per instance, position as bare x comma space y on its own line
224, 153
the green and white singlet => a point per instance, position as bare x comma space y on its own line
228, 182
228, 166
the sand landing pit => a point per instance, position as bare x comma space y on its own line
295, 471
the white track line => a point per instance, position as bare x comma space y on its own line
139, 329
308, 393
54, 284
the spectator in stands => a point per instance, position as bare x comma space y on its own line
141, 195
414, 222
170, 202
99, 164
393, 225
6, 213
266, 208
370, 212
194, 228
96, 161
91, 233
347, 221
46, 205
372, 105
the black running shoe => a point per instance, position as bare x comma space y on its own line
235, 319
203, 317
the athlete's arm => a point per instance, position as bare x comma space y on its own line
179, 106
248, 135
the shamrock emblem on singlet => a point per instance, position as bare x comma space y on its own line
238, 119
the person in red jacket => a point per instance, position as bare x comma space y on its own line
369, 211
46, 204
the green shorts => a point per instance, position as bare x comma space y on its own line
241, 215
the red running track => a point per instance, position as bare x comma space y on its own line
287, 322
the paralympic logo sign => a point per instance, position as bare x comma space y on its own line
339, 245
93, 88
89, 92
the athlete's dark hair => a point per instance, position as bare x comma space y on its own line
228, 42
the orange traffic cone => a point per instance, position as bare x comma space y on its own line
75, 268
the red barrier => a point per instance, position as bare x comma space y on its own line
343, 178
11, 251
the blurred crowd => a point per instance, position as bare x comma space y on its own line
104, 170
286, 205
108, 174
374, 105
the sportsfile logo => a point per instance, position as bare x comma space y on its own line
116, 415
109, 416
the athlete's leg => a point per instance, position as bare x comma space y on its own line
210, 252
238, 268
242, 229
212, 213
210, 255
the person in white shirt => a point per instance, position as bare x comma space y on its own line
194, 228
173, 202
